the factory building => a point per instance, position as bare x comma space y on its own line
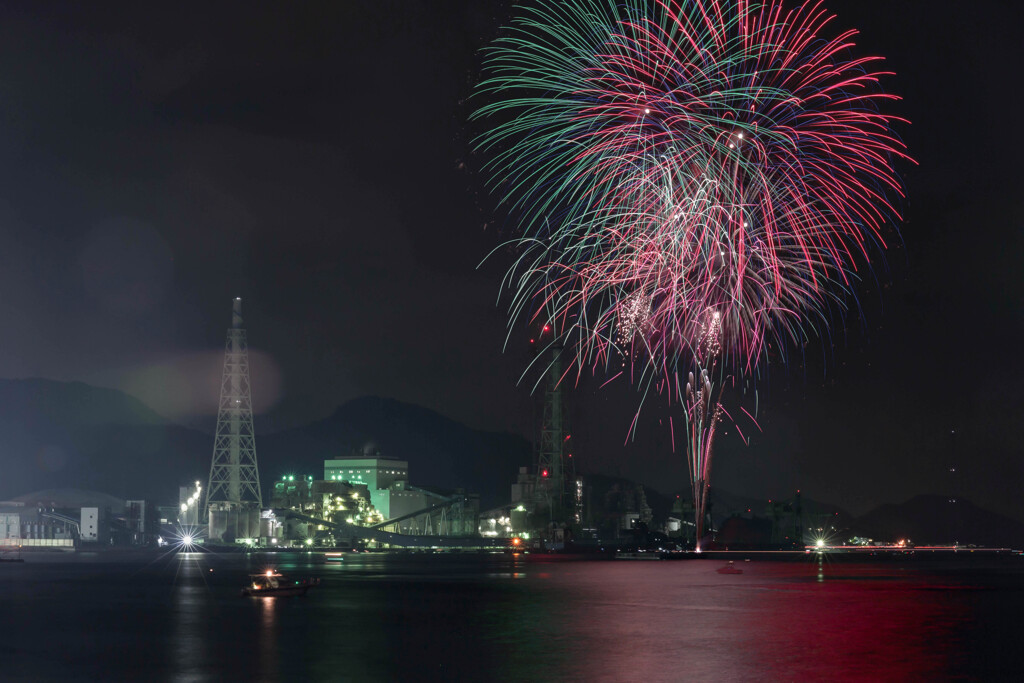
23, 526
363, 490
387, 481
94, 524
348, 502
69, 518
416, 509
335, 501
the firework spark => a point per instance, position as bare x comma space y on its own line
633, 319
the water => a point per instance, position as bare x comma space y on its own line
494, 618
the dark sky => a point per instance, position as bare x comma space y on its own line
315, 161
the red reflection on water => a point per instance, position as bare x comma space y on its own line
676, 621
856, 623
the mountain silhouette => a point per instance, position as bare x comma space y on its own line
935, 520
73, 435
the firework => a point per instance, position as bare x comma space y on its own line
672, 158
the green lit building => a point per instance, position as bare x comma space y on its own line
385, 478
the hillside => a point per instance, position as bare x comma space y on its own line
69, 434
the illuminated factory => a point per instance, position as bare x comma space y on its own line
364, 491
387, 481
332, 501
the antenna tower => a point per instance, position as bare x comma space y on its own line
233, 493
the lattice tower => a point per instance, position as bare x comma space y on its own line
234, 474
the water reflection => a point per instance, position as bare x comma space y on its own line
268, 643
863, 623
465, 618
664, 621
676, 621
188, 646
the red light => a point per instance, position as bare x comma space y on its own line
543, 473
547, 328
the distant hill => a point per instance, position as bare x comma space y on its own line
935, 520
42, 403
440, 451
73, 435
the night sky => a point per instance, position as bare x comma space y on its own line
316, 161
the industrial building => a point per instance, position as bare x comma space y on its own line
387, 481
66, 519
366, 491
406, 508
332, 501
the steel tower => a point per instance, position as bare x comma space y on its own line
552, 434
557, 488
233, 492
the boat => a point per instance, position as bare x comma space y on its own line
273, 584
729, 569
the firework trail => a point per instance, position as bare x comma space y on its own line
671, 160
